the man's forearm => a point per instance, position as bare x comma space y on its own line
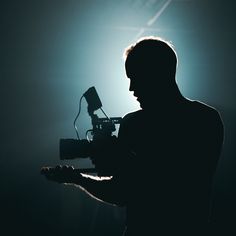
109, 190
105, 190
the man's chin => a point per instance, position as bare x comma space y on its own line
141, 104
145, 103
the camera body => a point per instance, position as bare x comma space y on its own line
102, 130
83, 148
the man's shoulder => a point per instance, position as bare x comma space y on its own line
202, 108
204, 112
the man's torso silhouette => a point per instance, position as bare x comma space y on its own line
168, 180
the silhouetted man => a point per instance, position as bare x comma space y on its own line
166, 153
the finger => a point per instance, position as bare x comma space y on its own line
45, 170
58, 167
70, 168
64, 168
67, 168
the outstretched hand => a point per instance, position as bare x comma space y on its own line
61, 174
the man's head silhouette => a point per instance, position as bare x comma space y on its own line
151, 67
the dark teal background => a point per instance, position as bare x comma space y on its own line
52, 51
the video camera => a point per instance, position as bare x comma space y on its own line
102, 129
